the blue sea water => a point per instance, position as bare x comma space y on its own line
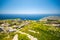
26, 16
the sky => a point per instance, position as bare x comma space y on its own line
29, 6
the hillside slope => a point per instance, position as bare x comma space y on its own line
47, 29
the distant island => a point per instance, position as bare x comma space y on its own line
47, 28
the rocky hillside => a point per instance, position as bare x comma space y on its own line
51, 20
17, 29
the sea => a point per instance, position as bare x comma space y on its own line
25, 16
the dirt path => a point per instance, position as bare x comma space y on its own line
33, 31
15, 37
28, 35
